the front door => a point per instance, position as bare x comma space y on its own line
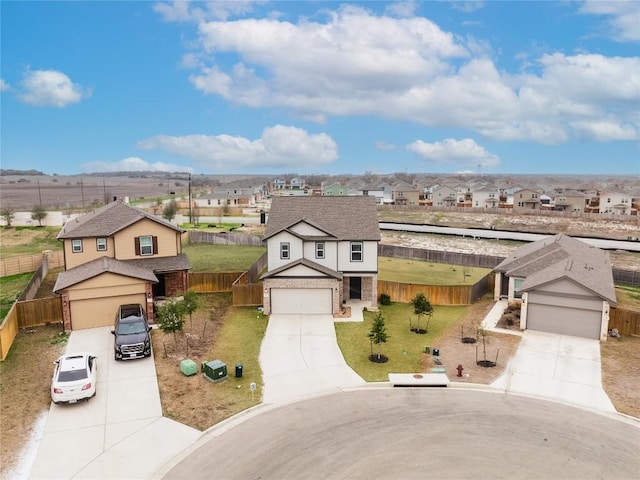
355, 288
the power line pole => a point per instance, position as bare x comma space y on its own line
190, 213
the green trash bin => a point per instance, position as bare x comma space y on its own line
427, 349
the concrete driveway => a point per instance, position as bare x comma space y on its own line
557, 367
300, 357
120, 433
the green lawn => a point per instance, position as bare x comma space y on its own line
222, 258
404, 348
427, 273
628, 297
17, 241
239, 341
10, 289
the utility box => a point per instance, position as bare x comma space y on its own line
188, 367
215, 370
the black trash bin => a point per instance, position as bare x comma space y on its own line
436, 352
238, 370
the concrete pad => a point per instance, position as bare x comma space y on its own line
133, 399
141, 455
559, 367
117, 432
78, 415
298, 363
63, 453
97, 340
418, 379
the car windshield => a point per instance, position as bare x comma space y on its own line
130, 328
72, 375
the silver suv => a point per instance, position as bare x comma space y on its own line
131, 331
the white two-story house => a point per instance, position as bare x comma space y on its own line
322, 252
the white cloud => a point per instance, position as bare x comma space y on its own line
465, 152
278, 146
50, 88
380, 145
408, 69
133, 164
468, 6
403, 9
623, 18
187, 11
4, 86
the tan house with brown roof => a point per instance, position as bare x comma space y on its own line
322, 251
115, 255
526, 199
564, 285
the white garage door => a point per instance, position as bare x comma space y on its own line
301, 300
566, 321
99, 312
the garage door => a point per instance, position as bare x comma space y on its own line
566, 321
99, 312
301, 300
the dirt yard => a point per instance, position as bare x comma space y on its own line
499, 348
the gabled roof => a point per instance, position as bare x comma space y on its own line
99, 266
307, 263
559, 257
346, 217
108, 220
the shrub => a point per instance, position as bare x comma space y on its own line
385, 299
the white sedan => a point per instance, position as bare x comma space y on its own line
74, 378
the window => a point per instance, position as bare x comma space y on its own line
356, 251
146, 245
521, 204
76, 246
517, 284
101, 244
319, 249
285, 250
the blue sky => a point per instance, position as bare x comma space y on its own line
321, 87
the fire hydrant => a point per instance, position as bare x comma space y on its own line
460, 369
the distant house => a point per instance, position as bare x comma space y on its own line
615, 202
405, 195
115, 255
381, 195
526, 200
442, 195
297, 183
334, 190
570, 201
564, 285
488, 197
322, 251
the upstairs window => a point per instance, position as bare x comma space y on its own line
76, 245
356, 251
320, 250
285, 250
146, 245
101, 244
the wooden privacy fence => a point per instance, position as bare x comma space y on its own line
437, 294
28, 314
626, 321
224, 238
212, 282
438, 256
30, 263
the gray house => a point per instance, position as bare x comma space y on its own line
564, 285
322, 251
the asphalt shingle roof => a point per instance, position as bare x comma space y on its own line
559, 257
345, 217
107, 220
98, 267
